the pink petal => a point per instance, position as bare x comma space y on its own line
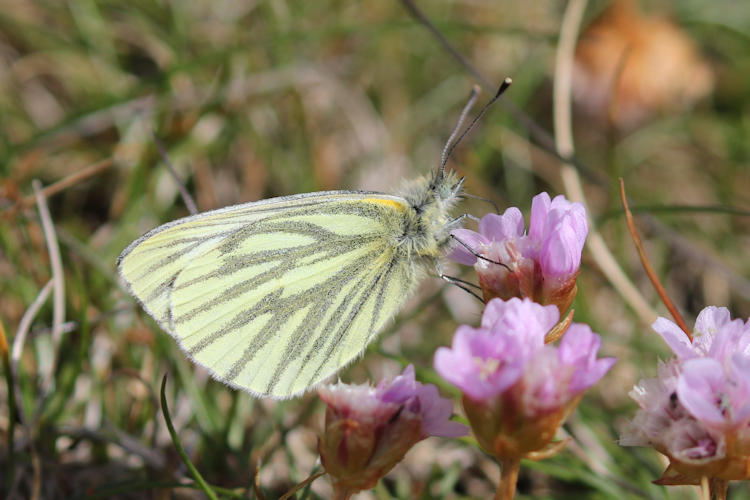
502, 227
561, 254
699, 387
400, 389
436, 413
675, 338
466, 237
522, 318
540, 206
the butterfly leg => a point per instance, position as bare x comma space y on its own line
462, 284
477, 254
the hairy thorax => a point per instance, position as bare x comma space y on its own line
428, 223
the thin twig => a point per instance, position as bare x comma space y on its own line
58, 281
301, 485
648, 268
256, 482
69, 181
189, 202
596, 244
109, 434
422, 18
571, 180
541, 136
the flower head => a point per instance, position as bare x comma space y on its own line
368, 429
542, 264
697, 410
517, 390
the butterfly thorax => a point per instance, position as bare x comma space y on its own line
428, 225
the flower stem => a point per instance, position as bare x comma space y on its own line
508, 479
718, 489
340, 493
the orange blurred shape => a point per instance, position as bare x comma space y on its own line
630, 66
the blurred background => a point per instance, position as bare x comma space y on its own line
257, 99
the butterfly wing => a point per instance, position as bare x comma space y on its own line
275, 296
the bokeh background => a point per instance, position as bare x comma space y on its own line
256, 99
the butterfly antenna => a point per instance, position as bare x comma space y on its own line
461, 119
451, 146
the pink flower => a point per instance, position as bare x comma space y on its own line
484, 362
697, 411
541, 265
517, 390
369, 430
423, 400
479, 362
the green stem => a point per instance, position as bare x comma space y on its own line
11, 409
196, 475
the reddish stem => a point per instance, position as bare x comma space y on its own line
650, 270
718, 489
508, 479
341, 493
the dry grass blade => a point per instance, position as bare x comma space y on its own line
648, 268
16, 350
25, 325
58, 280
69, 181
571, 180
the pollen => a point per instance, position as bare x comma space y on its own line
487, 366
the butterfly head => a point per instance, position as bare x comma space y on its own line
445, 187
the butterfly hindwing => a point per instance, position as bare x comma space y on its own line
275, 296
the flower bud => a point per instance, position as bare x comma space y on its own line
369, 430
541, 265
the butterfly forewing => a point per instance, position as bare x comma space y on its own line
275, 296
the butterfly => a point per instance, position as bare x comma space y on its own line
274, 296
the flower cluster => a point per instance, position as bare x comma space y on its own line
369, 430
697, 411
517, 387
541, 265
517, 390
